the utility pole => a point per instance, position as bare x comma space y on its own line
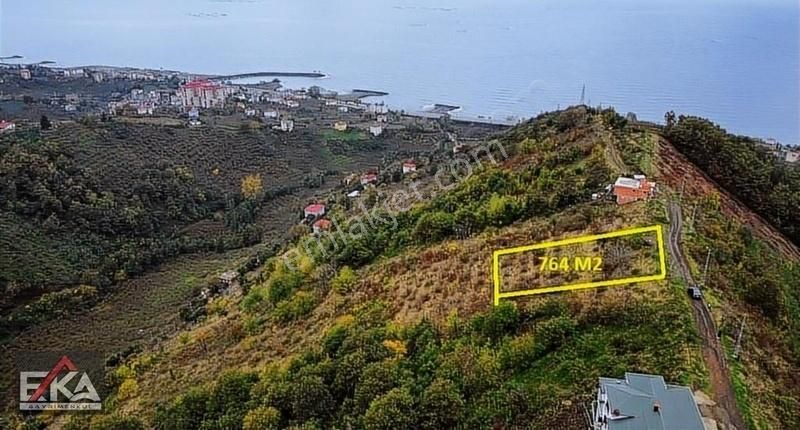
705, 269
683, 184
694, 213
738, 346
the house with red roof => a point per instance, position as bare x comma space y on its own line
321, 225
369, 178
314, 210
409, 166
7, 126
628, 190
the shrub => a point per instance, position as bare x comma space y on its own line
502, 320
300, 305
115, 422
393, 410
344, 280
441, 406
262, 418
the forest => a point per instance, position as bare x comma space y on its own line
63, 227
744, 167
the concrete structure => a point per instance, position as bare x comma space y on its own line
271, 114
229, 277
287, 125
382, 118
7, 126
321, 225
250, 112
377, 108
25, 74
144, 109
70, 108
792, 156
314, 210
369, 178
627, 190
203, 94
340, 126
644, 402
409, 166
376, 130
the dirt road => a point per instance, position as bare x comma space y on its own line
727, 413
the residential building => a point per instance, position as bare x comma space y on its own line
229, 277
377, 108
287, 125
644, 402
25, 74
376, 130
340, 126
369, 178
354, 194
7, 126
70, 107
321, 225
314, 210
144, 109
194, 113
271, 114
343, 109
250, 112
203, 94
409, 166
382, 118
627, 190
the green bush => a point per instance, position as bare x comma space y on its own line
344, 280
394, 410
300, 305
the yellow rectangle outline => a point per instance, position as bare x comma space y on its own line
580, 239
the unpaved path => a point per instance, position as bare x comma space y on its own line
720, 378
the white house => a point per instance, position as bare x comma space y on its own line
70, 107
250, 112
287, 125
144, 109
382, 118
409, 166
376, 130
25, 74
340, 126
271, 114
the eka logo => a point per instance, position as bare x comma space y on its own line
62, 388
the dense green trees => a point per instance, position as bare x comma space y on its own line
745, 168
505, 366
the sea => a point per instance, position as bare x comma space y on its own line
736, 62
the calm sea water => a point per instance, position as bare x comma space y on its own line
734, 61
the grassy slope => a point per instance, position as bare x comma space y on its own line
646, 328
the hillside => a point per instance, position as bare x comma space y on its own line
391, 325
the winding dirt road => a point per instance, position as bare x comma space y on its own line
728, 412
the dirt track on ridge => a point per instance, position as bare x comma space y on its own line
720, 378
